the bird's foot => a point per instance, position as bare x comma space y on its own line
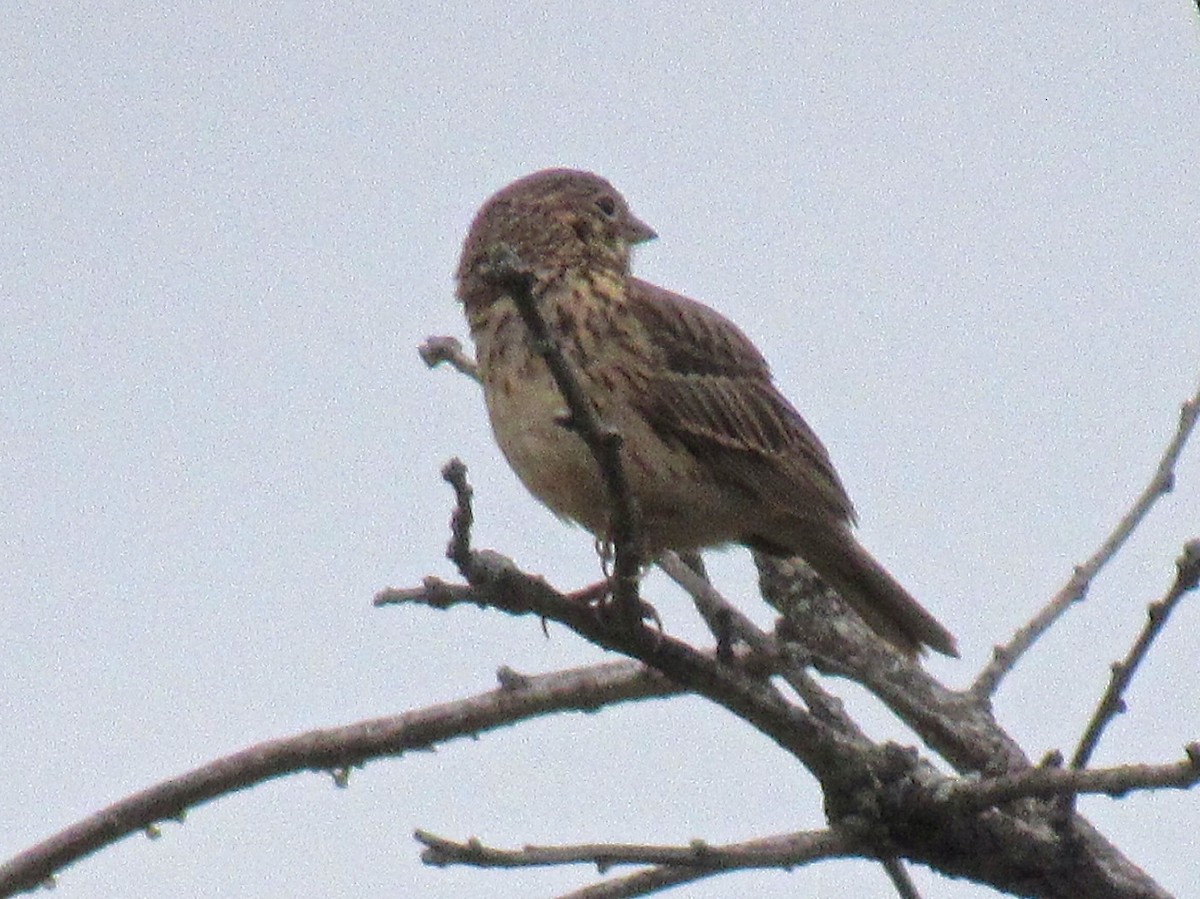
600, 596
593, 594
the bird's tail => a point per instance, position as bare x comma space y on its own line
866, 586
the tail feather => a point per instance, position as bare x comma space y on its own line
889, 609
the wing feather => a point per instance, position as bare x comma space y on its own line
713, 394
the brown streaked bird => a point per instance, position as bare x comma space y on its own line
713, 452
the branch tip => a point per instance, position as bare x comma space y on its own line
1112, 703
1162, 481
1188, 566
454, 473
1193, 754
509, 679
438, 350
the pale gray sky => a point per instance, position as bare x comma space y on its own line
965, 238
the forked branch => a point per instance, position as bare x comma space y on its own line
1161, 483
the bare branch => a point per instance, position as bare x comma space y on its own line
802, 847
787, 658
437, 350
957, 725
783, 851
676, 864
454, 473
905, 888
498, 583
433, 592
643, 883
1111, 704
334, 749
1051, 782
1006, 656
715, 614
510, 272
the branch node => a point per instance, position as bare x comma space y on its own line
1188, 566
510, 679
1112, 703
1193, 754
1052, 759
454, 473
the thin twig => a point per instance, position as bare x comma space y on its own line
1187, 571
1049, 782
641, 883
718, 622
433, 592
805, 847
454, 473
826, 747
675, 864
1006, 656
783, 851
715, 607
509, 271
955, 724
905, 888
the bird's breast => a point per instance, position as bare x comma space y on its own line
528, 418
682, 506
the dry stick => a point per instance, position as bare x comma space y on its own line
1006, 656
793, 850
507, 270
333, 749
715, 617
782, 851
454, 473
714, 606
900, 879
498, 583
643, 883
968, 795
1187, 573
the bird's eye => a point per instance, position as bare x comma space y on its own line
607, 205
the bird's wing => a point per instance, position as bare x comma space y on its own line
712, 393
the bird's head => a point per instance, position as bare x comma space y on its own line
555, 220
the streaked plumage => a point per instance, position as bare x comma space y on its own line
713, 451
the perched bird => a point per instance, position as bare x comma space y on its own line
713, 452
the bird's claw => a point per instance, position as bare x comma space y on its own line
600, 596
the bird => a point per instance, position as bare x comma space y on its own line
713, 453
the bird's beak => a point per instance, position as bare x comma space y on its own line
637, 231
